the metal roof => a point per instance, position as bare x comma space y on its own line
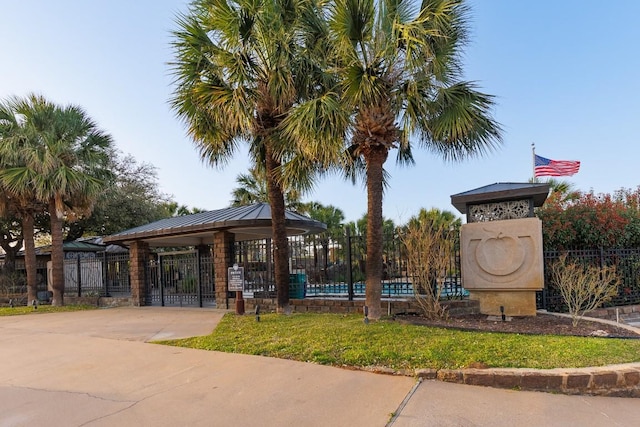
501, 191
246, 222
74, 246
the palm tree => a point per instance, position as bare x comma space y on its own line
175, 209
62, 163
399, 70
252, 188
18, 201
560, 190
435, 218
240, 67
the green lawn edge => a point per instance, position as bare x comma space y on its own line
345, 340
23, 310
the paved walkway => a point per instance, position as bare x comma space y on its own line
94, 368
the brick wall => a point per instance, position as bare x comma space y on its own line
138, 255
222, 260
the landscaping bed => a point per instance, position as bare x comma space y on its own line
542, 324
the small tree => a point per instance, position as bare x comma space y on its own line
429, 247
584, 287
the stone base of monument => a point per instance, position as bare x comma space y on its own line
514, 303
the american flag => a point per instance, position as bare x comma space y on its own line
547, 167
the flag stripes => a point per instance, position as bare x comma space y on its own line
548, 167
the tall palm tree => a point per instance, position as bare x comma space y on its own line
399, 69
240, 66
19, 201
252, 188
62, 161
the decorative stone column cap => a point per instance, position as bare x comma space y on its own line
501, 192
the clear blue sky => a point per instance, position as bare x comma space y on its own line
566, 75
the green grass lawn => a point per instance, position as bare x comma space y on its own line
15, 311
340, 340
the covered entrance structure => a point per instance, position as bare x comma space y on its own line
193, 252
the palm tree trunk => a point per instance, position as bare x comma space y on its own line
57, 256
279, 231
30, 257
375, 159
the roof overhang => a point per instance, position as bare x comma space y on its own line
501, 192
245, 222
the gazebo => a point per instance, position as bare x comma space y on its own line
214, 231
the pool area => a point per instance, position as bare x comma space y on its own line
389, 289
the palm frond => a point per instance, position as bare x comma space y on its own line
318, 128
458, 125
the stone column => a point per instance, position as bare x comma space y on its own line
223, 242
502, 265
139, 256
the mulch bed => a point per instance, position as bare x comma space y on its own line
542, 324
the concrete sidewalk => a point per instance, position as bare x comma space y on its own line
94, 368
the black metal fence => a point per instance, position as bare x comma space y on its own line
105, 274
325, 267
13, 285
101, 274
626, 262
181, 279
321, 267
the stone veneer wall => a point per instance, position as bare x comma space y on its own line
313, 305
100, 301
222, 260
609, 313
621, 381
138, 256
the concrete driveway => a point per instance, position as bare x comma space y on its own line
95, 368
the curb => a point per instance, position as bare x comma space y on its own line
612, 381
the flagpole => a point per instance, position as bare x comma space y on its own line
533, 158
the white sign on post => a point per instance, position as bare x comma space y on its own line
236, 278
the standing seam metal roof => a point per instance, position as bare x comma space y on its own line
257, 215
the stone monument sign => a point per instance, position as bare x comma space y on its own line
501, 247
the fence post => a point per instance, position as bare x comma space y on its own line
105, 274
161, 280
349, 270
79, 276
198, 280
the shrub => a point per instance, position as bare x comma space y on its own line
13, 286
428, 247
583, 287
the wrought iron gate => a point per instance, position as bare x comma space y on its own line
181, 279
